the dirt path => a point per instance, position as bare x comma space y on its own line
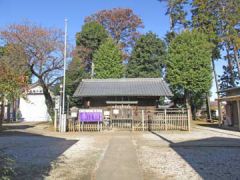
120, 160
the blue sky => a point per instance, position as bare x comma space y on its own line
51, 13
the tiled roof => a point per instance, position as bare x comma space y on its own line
123, 87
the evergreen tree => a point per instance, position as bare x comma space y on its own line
88, 41
108, 61
74, 74
177, 14
220, 20
147, 57
189, 65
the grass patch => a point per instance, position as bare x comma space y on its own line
6, 167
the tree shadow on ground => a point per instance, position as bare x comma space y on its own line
211, 158
15, 127
216, 126
33, 154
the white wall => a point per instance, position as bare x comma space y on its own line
34, 108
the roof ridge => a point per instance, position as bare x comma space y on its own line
122, 79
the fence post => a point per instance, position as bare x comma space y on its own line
143, 120
98, 127
165, 119
188, 118
132, 121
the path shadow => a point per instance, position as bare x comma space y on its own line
33, 154
211, 158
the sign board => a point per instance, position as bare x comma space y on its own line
73, 114
57, 102
116, 111
106, 113
90, 115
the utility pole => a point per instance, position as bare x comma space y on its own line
92, 71
60, 110
64, 78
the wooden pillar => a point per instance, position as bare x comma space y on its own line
143, 120
219, 113
79, 126
189, 118
82, 126
165, 119
238, 110
132, 121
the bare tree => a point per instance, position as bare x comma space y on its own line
44, 51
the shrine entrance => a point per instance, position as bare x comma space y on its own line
120, 115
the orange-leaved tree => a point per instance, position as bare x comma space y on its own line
13, 75
121, 23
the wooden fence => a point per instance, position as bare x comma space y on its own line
138, 120
75, 125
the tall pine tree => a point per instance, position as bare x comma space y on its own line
177, 14
220, 20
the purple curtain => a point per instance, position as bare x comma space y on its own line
90, 116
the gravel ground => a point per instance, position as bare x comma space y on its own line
41, 153
79, 161
200, 154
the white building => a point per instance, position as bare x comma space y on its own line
33, 107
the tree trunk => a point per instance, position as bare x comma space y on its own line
215, 75
194, 112
216, 83
48, 99
2, 112
237, 60
208, 107
8, 110
171, 23
14, 112
187, 99
230, 66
